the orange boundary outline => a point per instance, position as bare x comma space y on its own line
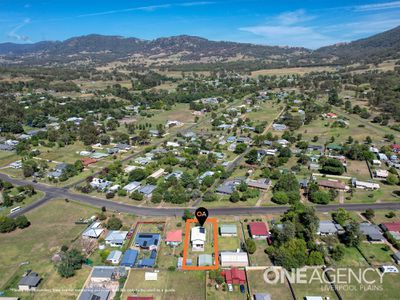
186, 246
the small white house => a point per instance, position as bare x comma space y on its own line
198, 238
114, 257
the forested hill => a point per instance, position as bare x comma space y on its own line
376, 48
182, 49
107, 48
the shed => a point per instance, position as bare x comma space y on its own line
205, 260
114, 257
228, 230
234, 259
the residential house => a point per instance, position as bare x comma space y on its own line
86, 161
234, 276
228, 186
198, 238
131, 187
367, 185
147, 190
279, 127
372, 232
396, 148
114, 257
100, 184
157, 174
262, 183
205, 174
329, 228
258, 230
147, 240
177, 174
129, 258
228, 230
234, 259
93, 231
94, 294
333, 184
174, 237
102, 274
29, 282
116, 238
381, 173
16, 164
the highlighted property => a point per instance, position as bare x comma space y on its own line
215, 265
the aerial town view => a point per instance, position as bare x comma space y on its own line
201, 150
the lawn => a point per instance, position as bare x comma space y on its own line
387, 290
220, 294
257, 284
376, 253
167, 255
313, 287
169, 286
52, 226
258, 258
25, 202
352, 258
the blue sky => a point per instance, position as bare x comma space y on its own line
308, 23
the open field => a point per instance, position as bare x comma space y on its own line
169, 286
377, 254
314, 287
52, 226
290, 71
25, 202
258, 285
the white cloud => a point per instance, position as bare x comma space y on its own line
14, 32
378, 6
287, 29
294, 17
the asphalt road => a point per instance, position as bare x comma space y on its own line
52, 192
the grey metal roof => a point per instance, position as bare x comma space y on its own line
147, 189
228, 229
372, 231
205, 259
30, 280
329, 227
94, 294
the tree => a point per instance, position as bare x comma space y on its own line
22, 222
156, 197
287, 182
338, 252
392, 179
187, 214
315, 258
292, 254
320, 197
252, 156
70, 261
369, 213
280, 197
341, 216
7, 224
332, 166
235, 197
352, 236
251, 246
137, 175
29, 167
136, 196
114, 223
240, 148
210, 197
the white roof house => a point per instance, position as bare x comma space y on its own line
234, 259
93, 231
381, 173
131, 187
116, 238
114, 257
198, 238
366, 185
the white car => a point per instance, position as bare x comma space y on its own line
389, 269
230, 287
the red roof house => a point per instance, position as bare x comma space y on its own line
258, 230
234, 276
394, 226
88, 161
174, 237
396, 148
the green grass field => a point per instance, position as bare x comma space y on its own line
169, 286
52, 226
376, 253
258, 285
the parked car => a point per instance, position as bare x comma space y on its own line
389, 269
242, 289
230, 287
